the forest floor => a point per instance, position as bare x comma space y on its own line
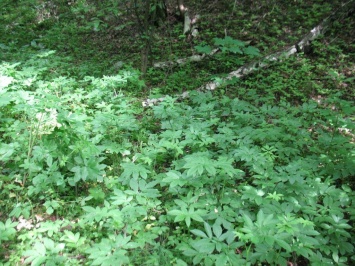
259, 171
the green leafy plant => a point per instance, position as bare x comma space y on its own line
228, 44
259, 172
7, 230
45, 251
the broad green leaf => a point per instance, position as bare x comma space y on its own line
134, 170
7, 150
269, 240
203, 49
180, 218
235, 50
70, 237
198, 163
204, 246
175, 212
188, 221
283, 244
174, 179
196, 217
260, 218
120, 198
251, 51
198, 233
133, 183
217, 230
248, 222
198, 258
222, 259
190, 252
208, 229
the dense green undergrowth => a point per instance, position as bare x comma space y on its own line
259, 172
212, 180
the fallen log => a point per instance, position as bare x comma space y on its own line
302, 46
182, 61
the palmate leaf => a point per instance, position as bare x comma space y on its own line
97, 193
199, 163
95, 214
108, 253
71, 237
225, 165
174, 178
91, 170
228, 41
247, 154
187, 215
147, 189
222, 259
235, 50
252, 51
133, 183
50, 227
203, 49
229, 44
100, 249
36, 256
52, 246
190, 252
134, 170
48, 251
177, 212
204, 246
120, 198
253, 194
7, 230
283, 244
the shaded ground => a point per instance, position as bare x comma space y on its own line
267, 25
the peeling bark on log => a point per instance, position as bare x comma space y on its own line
301, 46
182, 61
187, 22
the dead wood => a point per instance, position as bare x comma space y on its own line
301, 46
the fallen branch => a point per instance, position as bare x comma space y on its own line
302, 46
182, 61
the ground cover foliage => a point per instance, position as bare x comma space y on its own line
259, 172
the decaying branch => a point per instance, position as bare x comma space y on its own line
301, 46
182, 61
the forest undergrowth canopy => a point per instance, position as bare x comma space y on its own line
260, 171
